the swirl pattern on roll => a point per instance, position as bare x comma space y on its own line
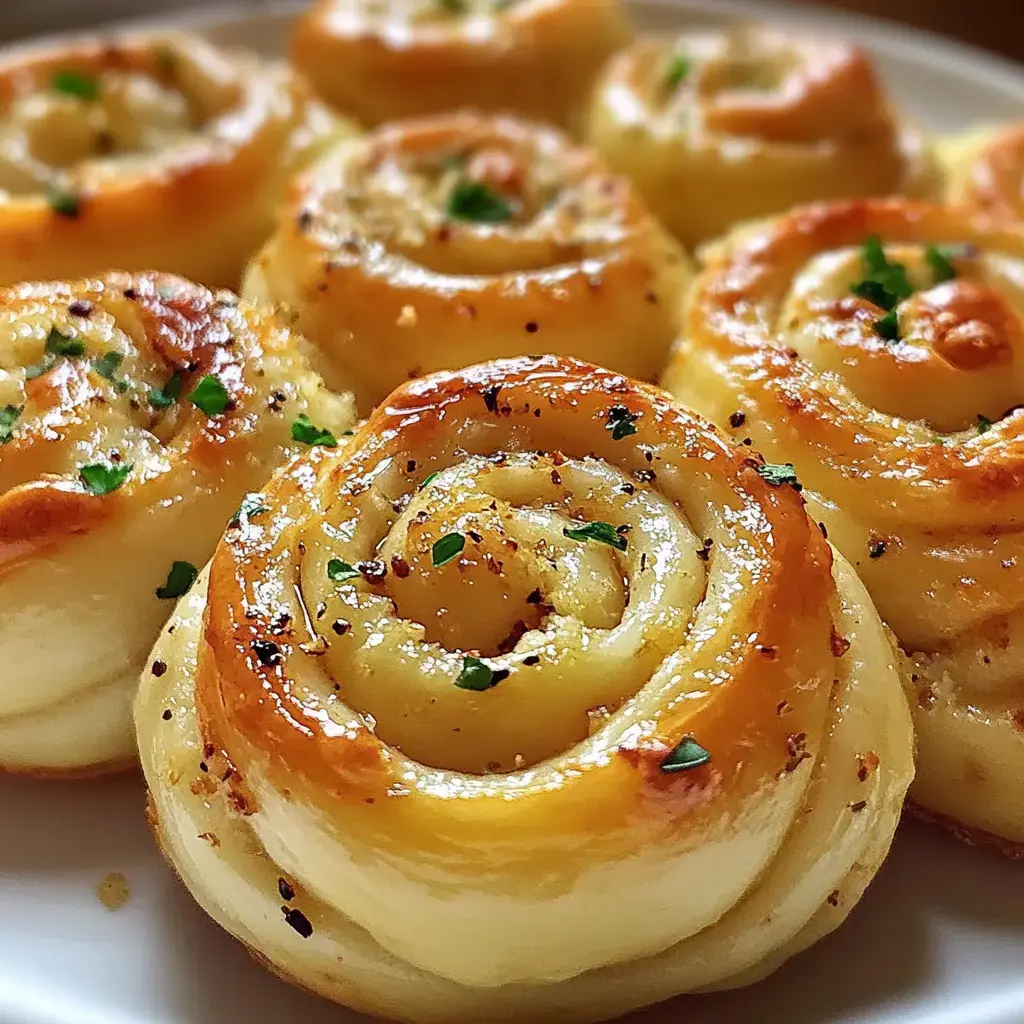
135, 414
715, 127
147, 151
405, 58
435, 243
879, 347
540, 658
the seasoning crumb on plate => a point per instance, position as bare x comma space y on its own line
113, 891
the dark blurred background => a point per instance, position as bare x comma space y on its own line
995, 24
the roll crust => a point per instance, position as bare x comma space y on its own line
416, 57
145, 151
498, 619
717, 127
135, 413
985, 171
904, 427
434, 243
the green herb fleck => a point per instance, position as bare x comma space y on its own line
940, 260
107, 366
984, 424
885, 282
252, 506
448, 547
888, 326
621, 422
603, 533
62, 201
161, 398
210, 396
306, 432
474, 201
678, 68
8, 417
179, 581
779, 473
58, 344
74, 83
102, 477
688, 754
341, 572
478, 675
428, 479
452, 6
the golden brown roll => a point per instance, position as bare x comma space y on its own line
879, 348
146, 151
985, 171
536, 701
720, 126
403, 58
434, 243
135, 414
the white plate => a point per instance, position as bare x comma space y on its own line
939, 938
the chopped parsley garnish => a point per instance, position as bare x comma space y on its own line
621, 422
474, 201
59, 344
341, 572
252, 506
478, 675
160, 398
779, 473
448, 547
107, 366
452, 6
688, 754
179, 581
678, 68
984, 424
74, 83
8, 417
940, 260
888, 327
210, 396
885, 282
428, 479
62, 201
603, 533
102, 477
306, 432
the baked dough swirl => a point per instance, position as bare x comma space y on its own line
985, 171
383, 60
720, 126
454, 695
135, 413
146, 151
904, 428
435, 243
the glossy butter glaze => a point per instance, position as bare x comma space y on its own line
319, 677
389, 283
79, 365
909, 448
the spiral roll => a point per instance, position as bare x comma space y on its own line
877, 346
434, 243
716, 127
146, 151
985, 171
135, 414
405, 58
541, 659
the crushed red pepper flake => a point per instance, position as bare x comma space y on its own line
866, 764
839, 644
